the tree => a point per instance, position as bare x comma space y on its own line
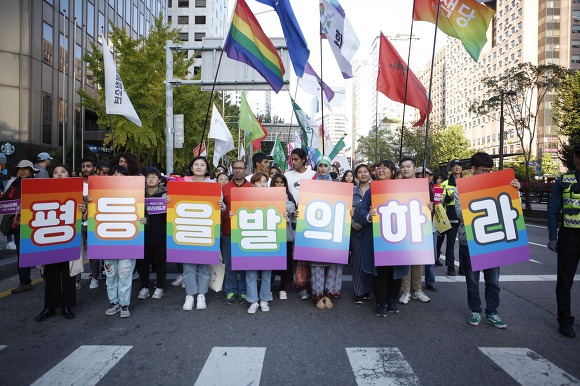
448, 143
549, 167
566, 114
530, 84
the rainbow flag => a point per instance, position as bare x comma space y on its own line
113, 229
494, 222
246, 42
402, 229
50, 225
466, 20
193, 222
258, 229
323, 225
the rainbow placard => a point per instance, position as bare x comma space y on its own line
494, 222
258, 229
402, 228
193, 222
323, 225
114, 230
50, 224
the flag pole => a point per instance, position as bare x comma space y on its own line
211, 98
406, 84
321, 94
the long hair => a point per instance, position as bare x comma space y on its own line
285, 180
133, 164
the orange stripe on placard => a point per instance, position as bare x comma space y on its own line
485, 181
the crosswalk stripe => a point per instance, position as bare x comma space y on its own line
380, 366
2, 346
233, 366
87, 365
504, 278
527, 367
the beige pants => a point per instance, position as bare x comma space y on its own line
413, 278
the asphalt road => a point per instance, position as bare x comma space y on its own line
297, 344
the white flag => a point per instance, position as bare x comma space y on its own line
218, 130
308, 128
116, 99
311, 83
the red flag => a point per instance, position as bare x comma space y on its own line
391, 80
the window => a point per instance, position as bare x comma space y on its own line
64, 7
79, 11
62, 118
575, 58
197, 54
47, 43
183, 36
141, 24
199, 36
200, 3
575, 29
169, 19
90, 19
196, 70
89, 77
135, 17
46, 119
182, 19
101, 24
201, 20
127, 11
78, 62
63, 54
183, 3
576, 43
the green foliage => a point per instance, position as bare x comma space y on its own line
519, 167
549, 166
566, 114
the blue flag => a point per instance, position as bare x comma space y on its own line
297, 47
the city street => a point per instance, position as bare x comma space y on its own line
295, 343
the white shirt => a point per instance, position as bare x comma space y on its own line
294, 179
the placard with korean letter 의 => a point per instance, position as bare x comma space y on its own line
114, 230
493, 218
402, 228
323, 225
50, 224
258, 229
193, 222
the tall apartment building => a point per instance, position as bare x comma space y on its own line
46, 40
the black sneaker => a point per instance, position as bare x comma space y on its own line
381, 311
438, 263
393, 309
451, 272
358, 300
366, 296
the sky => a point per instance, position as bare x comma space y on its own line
367, 17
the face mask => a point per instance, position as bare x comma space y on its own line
333, 175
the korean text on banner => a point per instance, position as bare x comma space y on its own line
494, 222
50, 225
323, 226
114, 230
402, 229
193, 222
258, 229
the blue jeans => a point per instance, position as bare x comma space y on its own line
252, 286
231, 282
491, 277
430, 269
196, 278
119, 280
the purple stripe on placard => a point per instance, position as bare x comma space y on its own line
332, 256
193, 257
114, 252
386, 258
9, 207
155, 205
500, 258
49, 257
264, 263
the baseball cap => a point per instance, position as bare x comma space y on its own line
43, 156
456, 162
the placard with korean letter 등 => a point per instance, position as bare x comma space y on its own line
493, 218
50, 224
323, 225
402, 228
193, 222
258, 229
113, 227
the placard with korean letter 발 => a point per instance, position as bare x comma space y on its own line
113, 227
323, 225
493, 218
402, 228
258, 229
50, 224
193, 222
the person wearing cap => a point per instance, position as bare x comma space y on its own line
565, 197
43, 160
448, 201
25, 169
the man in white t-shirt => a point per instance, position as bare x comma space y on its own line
300, 172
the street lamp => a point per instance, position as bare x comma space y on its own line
501, 122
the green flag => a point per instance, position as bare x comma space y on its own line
279, 154
338, 147
248, 122
308, 128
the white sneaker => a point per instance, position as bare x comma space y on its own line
158, 294
201, 302
144, 294
113, 309
125, 313
78, 285
11, 245
188, 305
253, 308
94, 283
304, 294
420, 295
264, 306
405, 297
178, 281
283, 295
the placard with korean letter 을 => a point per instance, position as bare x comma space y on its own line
402, 228
113, 227
323, 225
50, 224
193, 222
494, 222
258, 229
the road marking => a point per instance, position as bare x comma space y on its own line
3, 294
535, 261
87, 365
527, 367
539, 245
233, 366
380, 366
537, 226
504, 278
2, 346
